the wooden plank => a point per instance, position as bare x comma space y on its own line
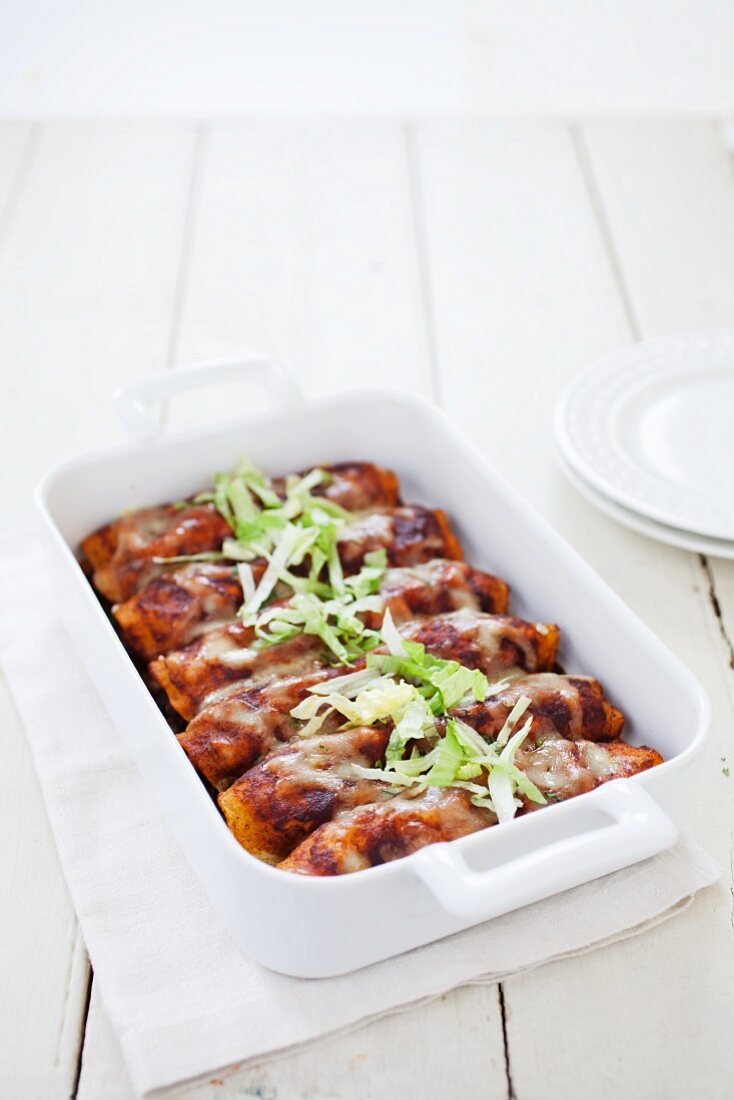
87, 280
16, 147
523, 297
88, 263
375, 1061
667, 194
303, 244
44, 966
303, 248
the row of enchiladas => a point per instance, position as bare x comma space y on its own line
281, 706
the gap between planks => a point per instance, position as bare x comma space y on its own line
193, 202
511, 1094
602, 222
421, 250
716, 607
82, 1032
25, 163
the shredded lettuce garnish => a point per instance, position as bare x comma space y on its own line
392, 638
349, 685
415, 723
418, 756
444, 684
379, 701
260, 518
462, 756
185, 559
335, 621
367, 581
289, 551
238, 496
247, 580
297, 535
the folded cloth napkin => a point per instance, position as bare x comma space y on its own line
181, 996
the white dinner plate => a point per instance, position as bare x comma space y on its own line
684, 540
651, 427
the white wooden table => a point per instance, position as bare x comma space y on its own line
484, 263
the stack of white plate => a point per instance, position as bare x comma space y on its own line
647, 435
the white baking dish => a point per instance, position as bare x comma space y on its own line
315, 927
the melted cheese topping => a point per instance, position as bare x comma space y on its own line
566, 768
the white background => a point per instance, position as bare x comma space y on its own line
271, 57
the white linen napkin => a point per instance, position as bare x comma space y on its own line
181, 996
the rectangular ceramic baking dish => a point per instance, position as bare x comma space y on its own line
314, 927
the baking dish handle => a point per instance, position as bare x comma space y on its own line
637, 829
135, 401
